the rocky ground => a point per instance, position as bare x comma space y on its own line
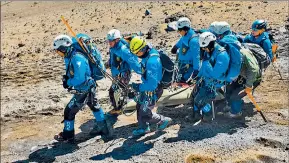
32, 97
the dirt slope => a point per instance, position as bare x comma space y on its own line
32, 97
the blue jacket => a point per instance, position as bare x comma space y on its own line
215, 68
122, 60
78, 71
262, 40
189, 52
152, 71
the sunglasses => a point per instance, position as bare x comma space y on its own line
61, 50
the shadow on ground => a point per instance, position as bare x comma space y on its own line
133, 147
130, 147
51, 151
191, 131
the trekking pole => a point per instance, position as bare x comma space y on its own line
213, 110
256, 105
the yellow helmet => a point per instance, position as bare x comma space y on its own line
136, 44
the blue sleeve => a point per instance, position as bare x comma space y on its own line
220, 67
113, 69
153, 75
267, 46
195, 51
179, 43
246, 39
79, 68
131, 59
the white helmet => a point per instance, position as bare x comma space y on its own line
219, 27
113, 34
212, 27
62, 41
184, 22
205, 39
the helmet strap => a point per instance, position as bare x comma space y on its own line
68, 50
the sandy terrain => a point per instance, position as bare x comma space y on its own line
32, 97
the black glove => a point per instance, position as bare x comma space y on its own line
174, 50
64, 81
131, 95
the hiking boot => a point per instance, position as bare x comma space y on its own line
67, 136
233, 116
164, 123
226, 108
96, 130
101, 128
107, 133
141, 131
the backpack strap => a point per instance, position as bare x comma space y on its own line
69, 63
193, 36
220, 50
154, 54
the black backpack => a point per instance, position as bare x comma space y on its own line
168, 69
261, 56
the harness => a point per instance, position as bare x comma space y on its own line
147, 95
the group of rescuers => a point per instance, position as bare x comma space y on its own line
200, 57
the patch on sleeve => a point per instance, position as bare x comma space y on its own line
78, 64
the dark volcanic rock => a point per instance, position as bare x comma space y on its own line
174, 17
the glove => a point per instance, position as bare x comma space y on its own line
248, 90
174, 50
131, 95
135, 86
64, 81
